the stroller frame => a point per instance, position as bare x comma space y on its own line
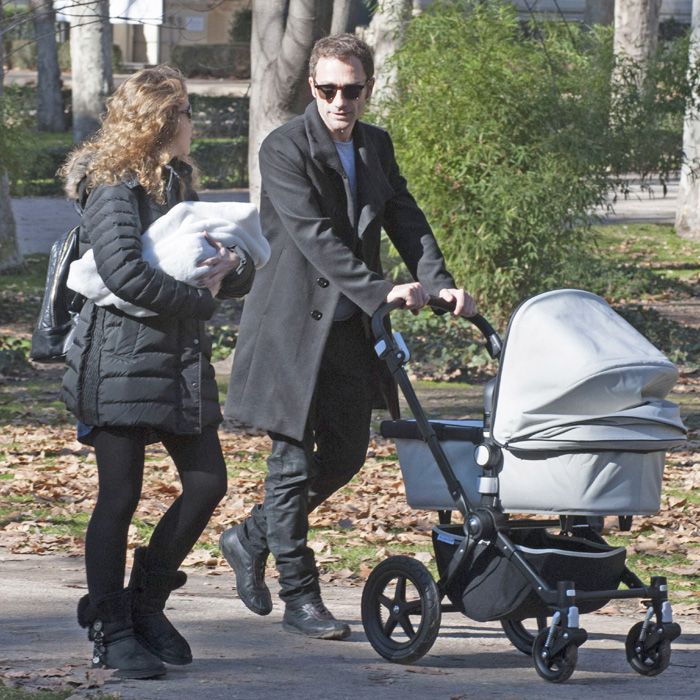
554, 648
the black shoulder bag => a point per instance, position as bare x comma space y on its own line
61, 306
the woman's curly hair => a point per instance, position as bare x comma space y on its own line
141, 121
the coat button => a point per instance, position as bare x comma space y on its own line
316, 315
322, 282
196, 341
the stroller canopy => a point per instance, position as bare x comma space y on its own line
575, 375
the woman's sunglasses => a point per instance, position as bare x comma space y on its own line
187, 112
349, 92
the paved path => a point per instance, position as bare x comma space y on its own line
41, 220
239, 655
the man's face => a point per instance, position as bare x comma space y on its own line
341, 113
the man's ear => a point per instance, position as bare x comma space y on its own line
311, 86
369, 88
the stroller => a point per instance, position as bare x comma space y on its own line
575, 427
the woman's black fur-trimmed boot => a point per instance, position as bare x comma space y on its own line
150, 590
110, 627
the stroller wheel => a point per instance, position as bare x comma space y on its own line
401, 609
522, 633
554, 667
647, 659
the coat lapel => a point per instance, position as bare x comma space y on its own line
323, 151
373, 188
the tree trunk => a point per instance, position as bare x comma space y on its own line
636, 29
384, 35
635, 42
688, 211
91, 65
342, 10
9, 250
281, 43
50, 116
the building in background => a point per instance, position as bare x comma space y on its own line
147, 31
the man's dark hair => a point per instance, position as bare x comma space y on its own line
342, 47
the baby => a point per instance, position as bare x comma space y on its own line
175, 243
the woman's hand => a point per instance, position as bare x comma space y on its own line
219, 266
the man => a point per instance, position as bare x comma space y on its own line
304, 368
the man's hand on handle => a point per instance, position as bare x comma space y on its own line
415, 297
464, 303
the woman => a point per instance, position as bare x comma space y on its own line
132, 381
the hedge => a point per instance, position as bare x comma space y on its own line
222, 163
213, 60
215, 116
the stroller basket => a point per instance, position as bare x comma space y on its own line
492, 588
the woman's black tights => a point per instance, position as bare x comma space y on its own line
120, 464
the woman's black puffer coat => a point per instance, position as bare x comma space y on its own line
151, 371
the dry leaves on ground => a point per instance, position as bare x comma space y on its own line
46, 503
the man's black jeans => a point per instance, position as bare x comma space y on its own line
301, 475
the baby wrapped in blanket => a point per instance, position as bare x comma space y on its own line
175, 243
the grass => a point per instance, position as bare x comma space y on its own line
644, 244
222, 163
647, 565
641, 261
33, 400
27, 694
23, 694
21, 291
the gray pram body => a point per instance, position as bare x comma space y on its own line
579, 411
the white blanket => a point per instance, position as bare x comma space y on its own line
175, 243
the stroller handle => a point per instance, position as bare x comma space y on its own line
493, 340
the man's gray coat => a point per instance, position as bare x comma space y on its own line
320, 248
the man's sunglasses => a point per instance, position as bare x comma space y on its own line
349, 92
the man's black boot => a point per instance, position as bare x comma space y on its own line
310, 617
249, 570
115, 645
150, 590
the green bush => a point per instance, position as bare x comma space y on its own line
22, 54
222, 163
647, 112
216, 116
505, 137
241, 26
64, 57
16, 137
443, 347
213, 60
17, 30
14, 354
